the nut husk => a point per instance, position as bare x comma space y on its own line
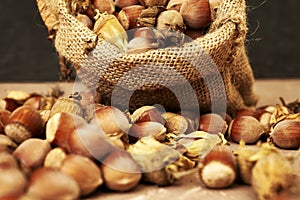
272, 173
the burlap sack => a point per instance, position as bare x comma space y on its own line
114, 74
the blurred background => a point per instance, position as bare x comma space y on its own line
27, 56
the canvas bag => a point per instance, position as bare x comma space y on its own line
168, 76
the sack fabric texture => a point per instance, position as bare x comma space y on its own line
171, 77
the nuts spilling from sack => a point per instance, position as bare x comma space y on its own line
163, 23
77, 147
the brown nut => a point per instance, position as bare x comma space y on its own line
32, 152
140, 45
111, 120
244, 112
196, 13
84, 171
85, 19
150, 3
146, 114
194, 33
6, 144
125, 3
24, 122
75, 135
128, 16
38, 102
264, 117
60, 126
145, 129
12, 183
48, 184
170, 20
246, 128
212, 123
286, 134
174, 5
219, 168
9, 104
4, 116
55, 158
104, 6
7, 161
120, 171
176, 123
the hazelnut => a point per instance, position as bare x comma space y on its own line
246, 128
85, 19
196, 13
4, 116
219, 168
84, 171
60, 126
6, 144
75, 135
144, 32
104, 6
146, 114
111, 120
7, 161
18, 95
48, 184
125, 3
194, 33
12, 183
244, 112
32, 152
177, 124
38, 102
286, 134
212, 123
174, 5
170, 20
120, 171
128, 16
55, 158
145, 129
150, 3
24, 122
140, 45
264, 117
9, 104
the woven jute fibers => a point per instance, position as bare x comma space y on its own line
161, 76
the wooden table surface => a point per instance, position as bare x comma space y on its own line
269, 91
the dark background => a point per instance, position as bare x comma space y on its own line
27, 56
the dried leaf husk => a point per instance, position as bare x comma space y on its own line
273, 172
